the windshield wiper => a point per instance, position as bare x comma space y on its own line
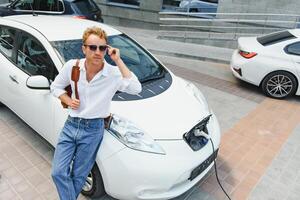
153, 77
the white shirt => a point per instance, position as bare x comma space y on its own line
95, 96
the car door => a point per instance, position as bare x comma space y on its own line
35, 106
8, 80
293, 50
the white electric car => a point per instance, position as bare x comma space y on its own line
271, 62
158, 143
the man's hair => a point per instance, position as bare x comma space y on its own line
94, 31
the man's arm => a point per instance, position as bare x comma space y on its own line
130, 83
114, 54
59, 84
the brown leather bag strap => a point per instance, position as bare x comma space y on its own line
75, 77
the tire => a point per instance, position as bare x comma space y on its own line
279, 85
94, 186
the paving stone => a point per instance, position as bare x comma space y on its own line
29, 194
282, 175
245, 138
3, 185
22, 186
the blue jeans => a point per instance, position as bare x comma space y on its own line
75, 155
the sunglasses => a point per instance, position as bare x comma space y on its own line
95, 47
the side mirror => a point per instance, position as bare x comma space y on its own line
38, 82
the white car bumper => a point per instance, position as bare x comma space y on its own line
135, 175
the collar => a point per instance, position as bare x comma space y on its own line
104, 71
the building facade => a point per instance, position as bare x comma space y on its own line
145, 13
134, 13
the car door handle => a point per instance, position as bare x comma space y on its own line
13, 78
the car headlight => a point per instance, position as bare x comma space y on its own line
132, 136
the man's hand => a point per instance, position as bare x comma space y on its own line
114, 53
74, 104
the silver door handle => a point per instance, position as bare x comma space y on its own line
13, 78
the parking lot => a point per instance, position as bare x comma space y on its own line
259, 153
258, 157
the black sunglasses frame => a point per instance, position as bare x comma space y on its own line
93, 47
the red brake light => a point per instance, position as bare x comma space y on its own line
246, 54
79, 17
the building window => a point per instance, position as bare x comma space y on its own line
127, 3
190, 6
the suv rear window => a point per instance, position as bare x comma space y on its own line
274, 38
86, 6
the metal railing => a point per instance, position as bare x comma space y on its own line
234, 24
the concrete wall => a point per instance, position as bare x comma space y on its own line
3, 1
288, 11
145, 16
260, 6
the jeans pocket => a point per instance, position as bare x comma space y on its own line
95, 126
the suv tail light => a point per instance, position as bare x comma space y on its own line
246, 54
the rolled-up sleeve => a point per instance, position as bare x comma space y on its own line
62, 80
130, 85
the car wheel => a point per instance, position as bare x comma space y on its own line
93, 186
279, 84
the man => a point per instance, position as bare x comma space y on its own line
82, 134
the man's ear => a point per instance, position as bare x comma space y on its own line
83, 49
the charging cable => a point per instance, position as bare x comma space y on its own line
203, 134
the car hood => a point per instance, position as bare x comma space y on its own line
166, 116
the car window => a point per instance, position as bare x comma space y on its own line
126, 2
137, 60
7, 38
33, 58
85, 6
23, 5
49, 5
293, 48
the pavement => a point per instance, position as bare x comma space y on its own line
148, 38
259, 157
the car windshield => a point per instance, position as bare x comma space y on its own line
86, 6
144, 66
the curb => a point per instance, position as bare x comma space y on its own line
215, 60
